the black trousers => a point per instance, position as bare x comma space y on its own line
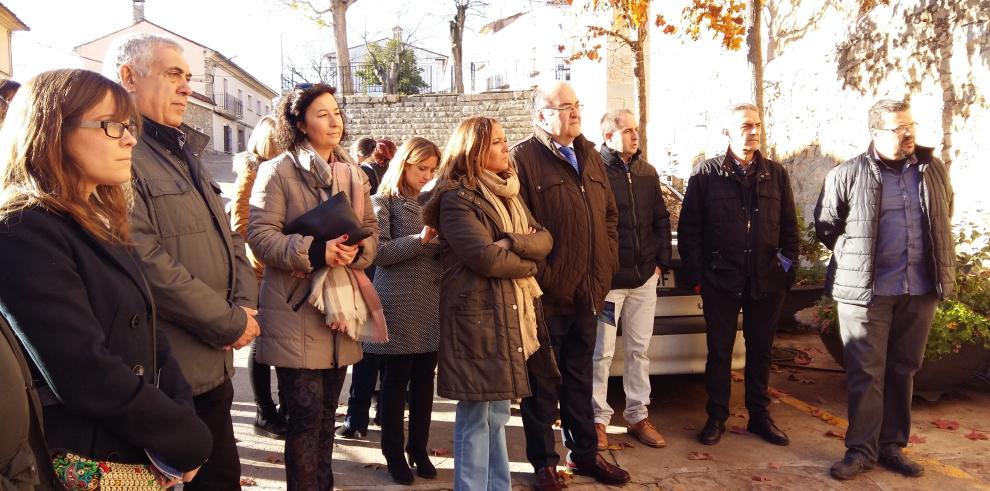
759, 326
573, 340
222, 471
261, 381
364, 378
310, 398
407, 376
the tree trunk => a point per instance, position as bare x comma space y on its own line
457, 47
754, 45
344, 80
639, 70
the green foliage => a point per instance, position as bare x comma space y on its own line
956, 324
382, 61
959, 321
813, 256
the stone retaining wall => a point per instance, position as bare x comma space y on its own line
434, 116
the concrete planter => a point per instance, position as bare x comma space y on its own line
935, 376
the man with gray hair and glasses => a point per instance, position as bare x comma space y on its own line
204, 288
563, 181
886, 215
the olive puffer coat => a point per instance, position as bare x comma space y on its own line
481, 355
847, 218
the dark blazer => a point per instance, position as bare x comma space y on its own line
84, 313
481, 354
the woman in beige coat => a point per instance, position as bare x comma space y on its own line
310, 348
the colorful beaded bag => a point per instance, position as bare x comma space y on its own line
81, 474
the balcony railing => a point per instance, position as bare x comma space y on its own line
229, 104
431, 74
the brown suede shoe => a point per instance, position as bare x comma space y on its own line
645, 432
602, 436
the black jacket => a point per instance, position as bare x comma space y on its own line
644, 224
83, 311
723, 238
847, 219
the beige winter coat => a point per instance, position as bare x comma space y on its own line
283, 191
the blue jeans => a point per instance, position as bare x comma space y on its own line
481, 459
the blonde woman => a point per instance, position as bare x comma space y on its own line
407, 277
491, 330
261, 146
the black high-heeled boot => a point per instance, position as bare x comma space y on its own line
268, 422
423, 464
401, 473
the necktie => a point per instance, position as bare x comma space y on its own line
568, 154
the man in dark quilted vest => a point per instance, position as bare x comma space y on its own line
886, 215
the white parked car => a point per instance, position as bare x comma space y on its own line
678, 344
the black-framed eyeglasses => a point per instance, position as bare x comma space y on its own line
303, 86
902, 129
566, 107
113, 129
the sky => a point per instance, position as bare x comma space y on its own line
256, 34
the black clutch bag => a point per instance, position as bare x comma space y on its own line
329, 220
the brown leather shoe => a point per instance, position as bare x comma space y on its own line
602, 436
546, 479
600, 469
645, 432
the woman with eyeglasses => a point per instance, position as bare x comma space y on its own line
311, 338
407, 281
75, 296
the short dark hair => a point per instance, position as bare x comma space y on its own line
885, 106
363, 147
8, 86
292, 111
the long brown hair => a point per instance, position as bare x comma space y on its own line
35, 167
467, 150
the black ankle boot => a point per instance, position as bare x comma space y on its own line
268, 422
424, 467
401, 473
